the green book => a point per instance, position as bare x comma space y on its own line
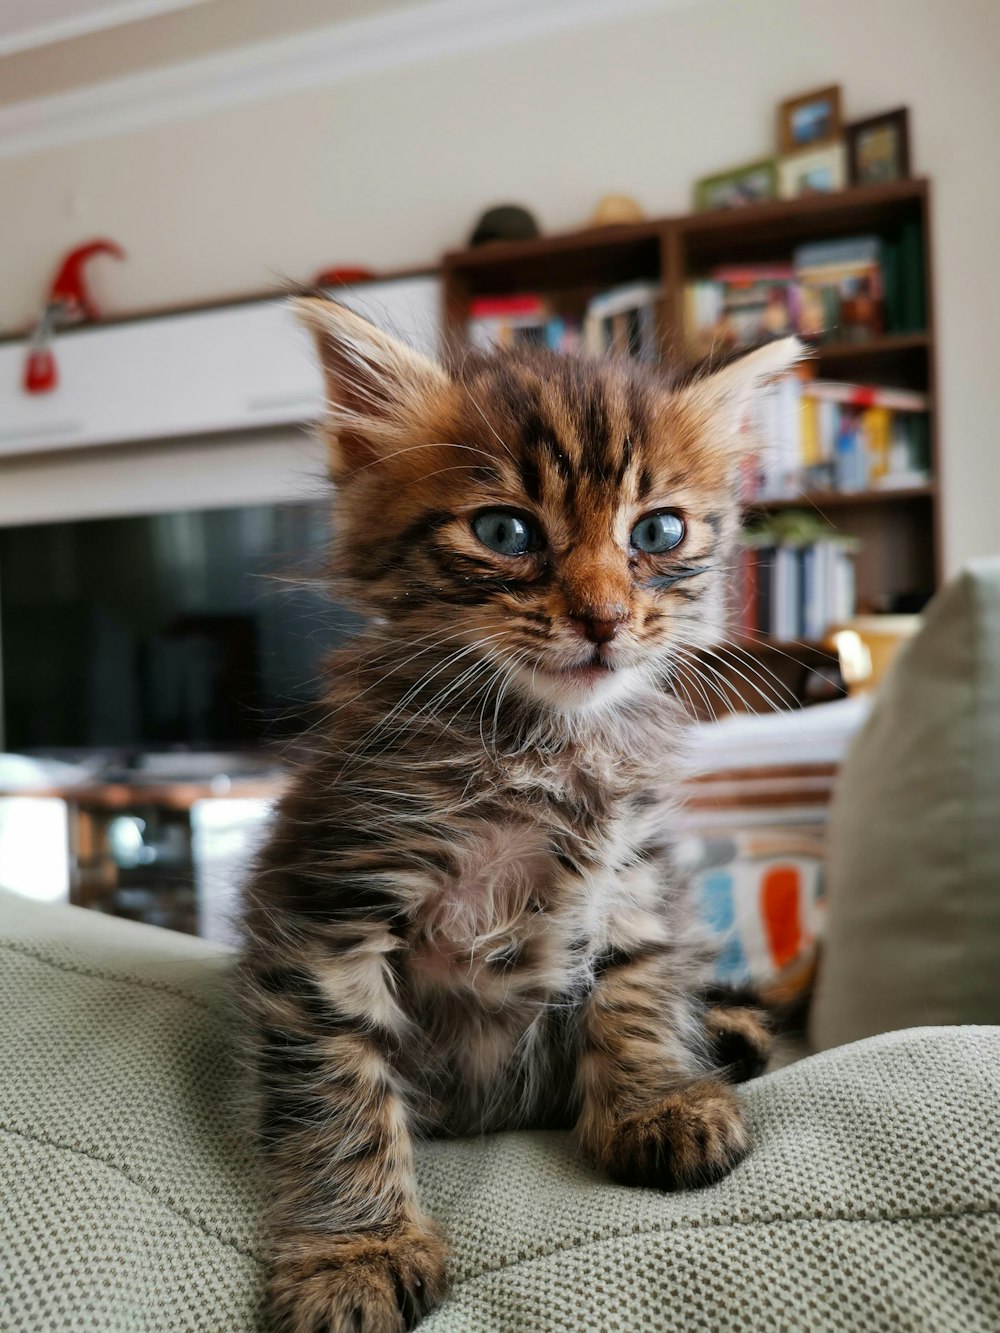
913, 301
889, 261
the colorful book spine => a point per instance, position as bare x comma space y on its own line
817, 435
623, 322
794, 591
846, 290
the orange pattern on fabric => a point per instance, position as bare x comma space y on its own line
781, 899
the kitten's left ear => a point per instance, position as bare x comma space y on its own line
376, 385
724, 397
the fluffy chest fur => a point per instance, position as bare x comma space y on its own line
467, 894
530, 898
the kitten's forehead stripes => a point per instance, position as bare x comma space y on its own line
574, 426
626, 462
531, 479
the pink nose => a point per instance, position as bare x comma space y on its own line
599, 624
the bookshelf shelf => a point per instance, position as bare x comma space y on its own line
592, 259
890, 345
763, 231
897, 360
784, 647
844, 499
897, 530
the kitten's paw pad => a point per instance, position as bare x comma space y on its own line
741, 1041
357, 1283
692, 1138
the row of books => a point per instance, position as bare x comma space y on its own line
792, 592
819, 435
621, 321
849, 290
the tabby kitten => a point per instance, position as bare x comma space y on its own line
466, 918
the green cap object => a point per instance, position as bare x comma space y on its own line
505, 222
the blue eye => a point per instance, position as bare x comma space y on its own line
505, 533
657, 533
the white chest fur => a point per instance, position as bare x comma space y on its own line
513, 918
486, 906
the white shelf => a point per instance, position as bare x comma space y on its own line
208, 372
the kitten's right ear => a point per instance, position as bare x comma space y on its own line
376, 386
720, 399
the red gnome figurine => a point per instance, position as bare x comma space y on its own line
69, 302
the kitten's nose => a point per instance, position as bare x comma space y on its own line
599, 624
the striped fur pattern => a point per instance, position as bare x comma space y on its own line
466, 919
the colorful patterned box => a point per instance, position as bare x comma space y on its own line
758, 789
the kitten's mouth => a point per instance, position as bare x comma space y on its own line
582, 685
595, 669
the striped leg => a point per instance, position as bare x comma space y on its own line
649, 1114
739, 1030
350, 1248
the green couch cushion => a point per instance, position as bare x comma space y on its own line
131, 1199
913, 927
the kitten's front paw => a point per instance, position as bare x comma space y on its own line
363, 1283
691, 1138
741, 1041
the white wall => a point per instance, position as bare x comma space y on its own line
392, 168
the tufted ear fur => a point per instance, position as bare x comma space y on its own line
722, 399
376, 385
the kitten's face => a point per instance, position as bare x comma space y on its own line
561, 523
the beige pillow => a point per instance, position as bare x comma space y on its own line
913, 930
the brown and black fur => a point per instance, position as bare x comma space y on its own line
466, 919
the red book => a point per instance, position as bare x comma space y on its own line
500, 307
745, 607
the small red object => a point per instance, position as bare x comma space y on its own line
340, 277
69, 286
40, 372
70, 302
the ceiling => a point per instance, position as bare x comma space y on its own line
27, 24
112, 39
96, 67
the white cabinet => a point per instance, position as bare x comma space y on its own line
201, 373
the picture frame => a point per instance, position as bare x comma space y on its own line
815, 171
809, 120
878, 148
752, 183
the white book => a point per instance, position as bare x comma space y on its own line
786, 593
621, 299
790, 410
897, 400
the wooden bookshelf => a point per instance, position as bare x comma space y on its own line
899, 529
843, 499
892, 344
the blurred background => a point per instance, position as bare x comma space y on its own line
657, 177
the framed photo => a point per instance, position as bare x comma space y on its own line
816, 171
878, 149
753, 183
809, 120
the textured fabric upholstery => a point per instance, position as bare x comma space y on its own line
131, 1199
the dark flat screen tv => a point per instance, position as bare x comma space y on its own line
202, 630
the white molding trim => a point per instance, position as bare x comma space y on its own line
78, 22
290, 64
280, 465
